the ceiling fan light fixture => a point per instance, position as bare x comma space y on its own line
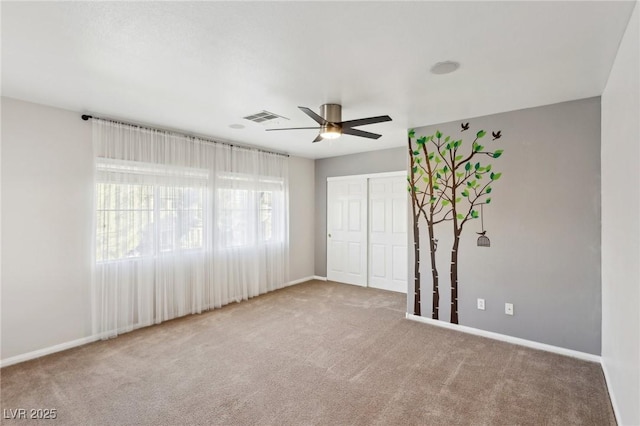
330, 132
331, 125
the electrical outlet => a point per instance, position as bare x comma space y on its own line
481, 304
508, 308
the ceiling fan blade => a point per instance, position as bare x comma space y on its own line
313, 115
363, 121
293, 128
361, 133
317, 139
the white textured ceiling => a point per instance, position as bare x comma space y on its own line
202, 66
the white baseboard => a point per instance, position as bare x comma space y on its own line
612, 396
319, 278
509, 339
47, 351
301, 280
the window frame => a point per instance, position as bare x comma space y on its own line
254, 185
158, 177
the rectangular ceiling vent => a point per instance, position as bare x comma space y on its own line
265, 118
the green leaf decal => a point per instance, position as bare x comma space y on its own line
465, 193
477, 166
447, 138
467, 166
436, 186
488, 190
498, 153
445, 169
496, 176
489, 168
458, 157
414, 169
488, 200
409, 188
478, 176
438, 134
478, 148
412, 133
474, 214
460, 216
458, 200
438, 160
438, 175
416, 152
481, 134
431, 154
445, 202
425, 179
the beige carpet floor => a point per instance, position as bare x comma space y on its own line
315, 353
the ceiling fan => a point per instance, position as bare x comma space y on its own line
332, 126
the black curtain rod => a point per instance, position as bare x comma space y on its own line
86, 117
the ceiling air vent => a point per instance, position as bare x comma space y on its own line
265, 118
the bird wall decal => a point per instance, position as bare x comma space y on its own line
465, 126
497, 135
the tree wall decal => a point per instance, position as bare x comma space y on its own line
417, 205
447, 184
428, 202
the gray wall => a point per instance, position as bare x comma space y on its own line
301, 218
47, 212
544, 227
386, 160
621, 227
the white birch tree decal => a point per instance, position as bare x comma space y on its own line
447, 183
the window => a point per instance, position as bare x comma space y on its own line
245, 210
141, 213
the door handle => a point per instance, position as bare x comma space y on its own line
329, 235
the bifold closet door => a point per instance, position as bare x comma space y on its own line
388, 233
347, 231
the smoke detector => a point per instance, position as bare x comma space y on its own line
445, 67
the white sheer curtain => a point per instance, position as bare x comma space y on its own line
182, 225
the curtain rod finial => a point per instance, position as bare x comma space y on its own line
86, 117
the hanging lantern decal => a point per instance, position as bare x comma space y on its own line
483, 240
